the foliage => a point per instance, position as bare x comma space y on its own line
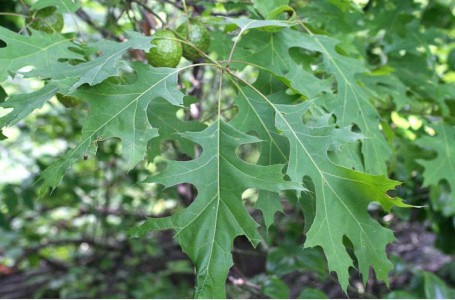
319, 109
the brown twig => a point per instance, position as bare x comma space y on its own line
173, 3
148, 9
86, 18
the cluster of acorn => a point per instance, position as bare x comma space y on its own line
191, 40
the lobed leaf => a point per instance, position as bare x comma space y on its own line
207, 228
40, 51
342, 198
118, 110
350, 102
441, 168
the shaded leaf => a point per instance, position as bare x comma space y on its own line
275, 288
441, 168
436, 288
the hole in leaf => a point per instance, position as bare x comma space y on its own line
355, 128
187, 193
392, 193
339, 49
2, 44
305, 57
308, 202
108, 148
249, 152
178, 149
168, 201
249, 74
250, 196
350, 249
268, 84
72, 62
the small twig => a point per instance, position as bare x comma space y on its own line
133, 20
148, 9
243, 282
24, 6
86, 18
173, 3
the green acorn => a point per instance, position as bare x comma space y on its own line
198, 35
167, 51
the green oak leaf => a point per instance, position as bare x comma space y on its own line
163, 115
39, 51
270, 51
245, 23
443, 166
63, 6
352, 105
266, 6
388, 86
342, 198
413, 71
350, 102
118, 110
106, 64
207, 228
256, 117
269, 203
65, 78
24, 104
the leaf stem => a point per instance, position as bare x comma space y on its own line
220, 90
14, 15
237, 39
